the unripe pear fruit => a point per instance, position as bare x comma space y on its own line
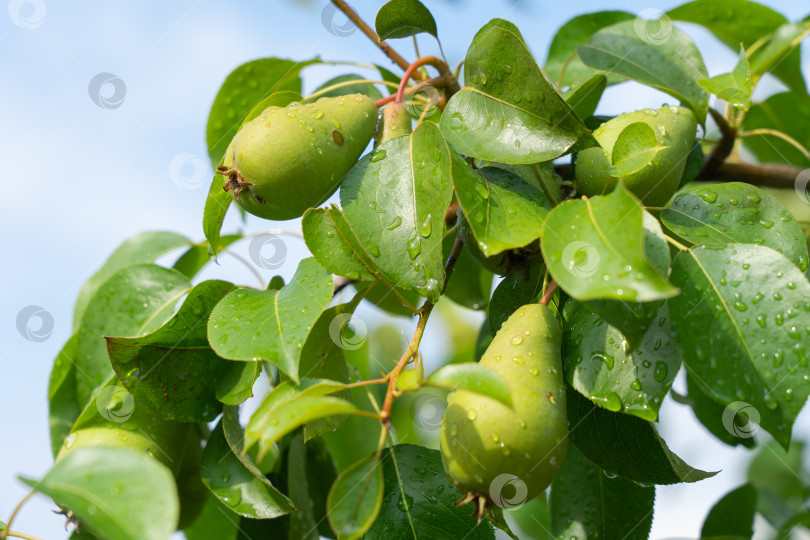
292, 158
674, 129
396, 122
485, 444
175, 445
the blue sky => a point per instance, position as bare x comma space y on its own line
81, 178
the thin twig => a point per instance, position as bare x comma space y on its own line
774, 133
722, 150
7, 529
372, 35
546, 298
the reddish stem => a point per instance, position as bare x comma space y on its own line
552, 286
425, 60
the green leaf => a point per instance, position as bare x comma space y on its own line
781, 479
63, 403
235, 437
635, 147
333, 242
519, 288
272, 325
784, 40
632, 319
287, 407
395, 199
587, 503
742, 21
734, 87
217, 203
173, 370
133, 301
503, 210
404, 18
213, 523
733, 515
735, 212
625, 445
418, 500
242, 90
584, 97
710, 413
507, 111
236, 383
360, 88
740, 322
600, 367
142, 248
787, 112
114, 492
575, 32
355, 499
196, 257
594, 248
472, 283
473, 377
669, 63
303, 523
241, 490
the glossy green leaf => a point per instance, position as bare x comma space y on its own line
584, 97
543, 176
784, 40
473, 377
735, 212
132, 302
694, 164
217, 203
472, 283
235, 437
197, 256
732, 429
333, 242
670, 63
742, 21
625, 445
395, 199
562, 54
355, 499
633, 319
242, 90
634, 149
236, 382
594, 248
520, 287
360, 88
503, 210
732, 516
241, 490
587, 503
418, 500
740, 322
271, 325
303, 523
600, 367
215, 522
734, 87
404, 18
507, 111
781, 479
142, 248
63, 402
173, 370
114, 492
287, 407
787, 112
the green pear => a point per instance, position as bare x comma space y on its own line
396, 122
485, 444
657, 181
292, 158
